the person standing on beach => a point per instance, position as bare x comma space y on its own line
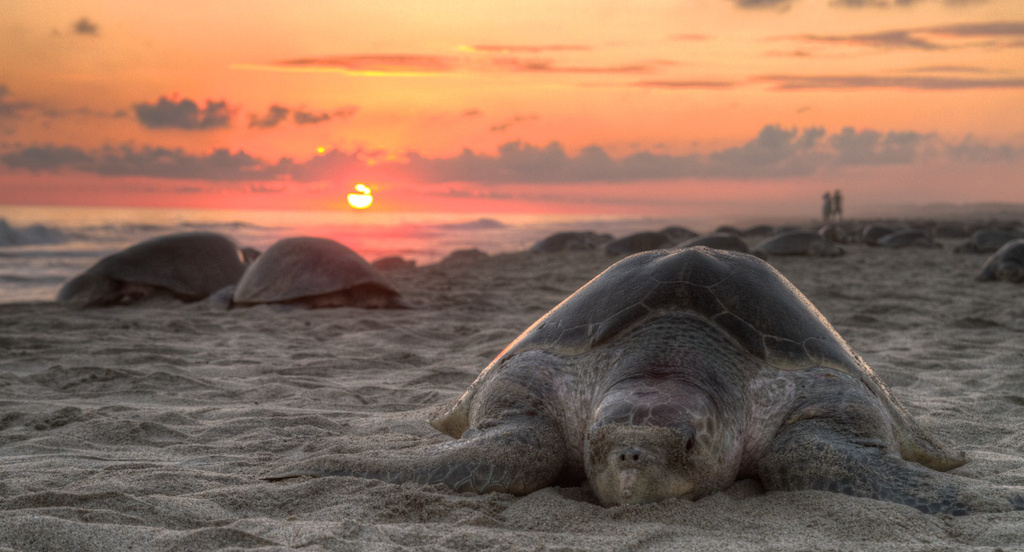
826, 208
837, 206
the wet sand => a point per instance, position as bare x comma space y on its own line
149, 427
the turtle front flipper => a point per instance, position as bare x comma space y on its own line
816, 454
516, 457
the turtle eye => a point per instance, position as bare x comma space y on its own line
691, 442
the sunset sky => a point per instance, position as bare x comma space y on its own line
651, 107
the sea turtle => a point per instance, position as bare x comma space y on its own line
1005, 264
570, 241
871, 233
907, 237
315, 272
987, 240
718, 240
188, 266
798, 242
641, 241
670, 375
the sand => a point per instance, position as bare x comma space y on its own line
148, 428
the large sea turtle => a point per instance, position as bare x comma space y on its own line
798, 242
315, 272
1005, 264
672, 374
188, 266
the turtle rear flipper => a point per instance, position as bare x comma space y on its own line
816, 454
516, 458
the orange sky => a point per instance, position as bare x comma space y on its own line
656, 107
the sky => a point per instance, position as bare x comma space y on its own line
661, 108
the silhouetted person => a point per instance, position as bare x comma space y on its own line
837, 206
826, 208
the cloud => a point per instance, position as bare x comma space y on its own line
926, 38
8, 109
870, 147
517, 119
308, 118
278, 114
184, 114
992, 29
775, 152
49, 158
781, 5
853, 82
274, 116
683, 84
505, 49
897, 3
888, 39
377, 64
85, 27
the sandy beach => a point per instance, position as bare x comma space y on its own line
148, 428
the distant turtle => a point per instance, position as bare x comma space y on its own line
987, 240
463, 256
907, 237
1005, 264
677, 233
315, 272
570, 241
834, 233
798, 242
393, 263
718, 240
671, 375
758, 231
635, 243
187, 266
871, 233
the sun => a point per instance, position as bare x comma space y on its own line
361, 198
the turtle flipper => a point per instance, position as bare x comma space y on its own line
817, 455
516, 458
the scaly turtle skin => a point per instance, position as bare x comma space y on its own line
671, 375
1005, 264
315, 273
798, 242
188, 266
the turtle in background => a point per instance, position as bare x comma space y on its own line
188, 266
570, 241
726, 241
798, 242
314, 273
1005, 264
987, 240
907, 237
671, 375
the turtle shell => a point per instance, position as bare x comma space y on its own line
1010, 254
797, 242
298, 268
740, 294
190, 265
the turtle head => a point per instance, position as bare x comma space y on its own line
649, 448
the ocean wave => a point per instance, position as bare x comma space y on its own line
36, 234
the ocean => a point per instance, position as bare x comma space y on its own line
42, 247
